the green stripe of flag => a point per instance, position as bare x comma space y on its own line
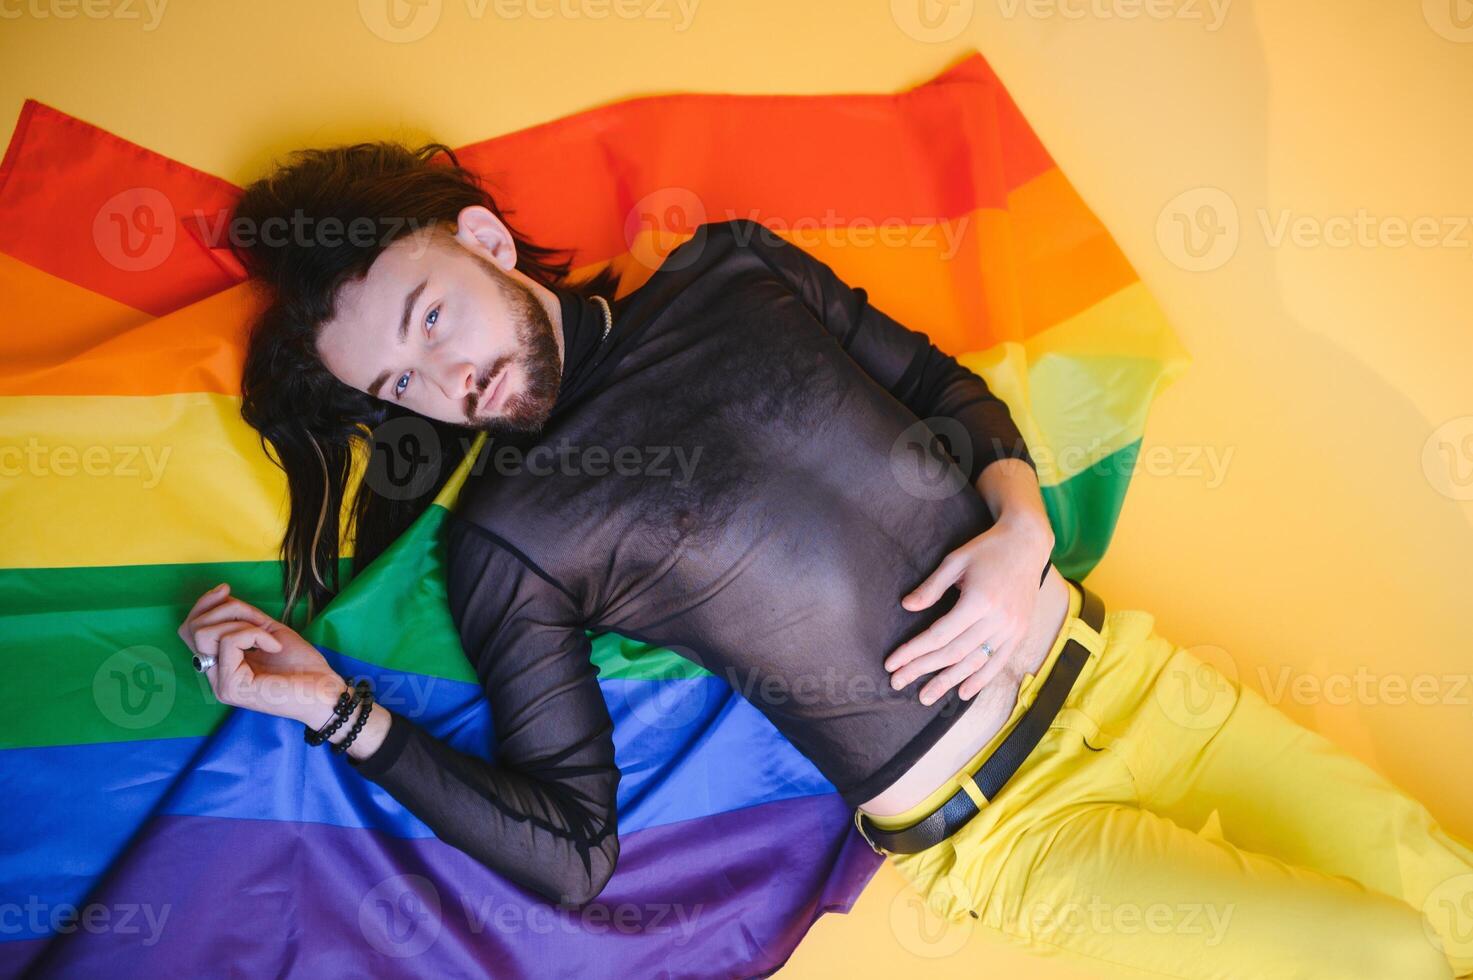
93, 654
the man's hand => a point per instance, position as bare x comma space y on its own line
997, 576
261, 664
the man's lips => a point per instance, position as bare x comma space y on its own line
488, 397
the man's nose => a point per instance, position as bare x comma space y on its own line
459, 379
469, 383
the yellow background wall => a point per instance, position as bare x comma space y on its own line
1305, 495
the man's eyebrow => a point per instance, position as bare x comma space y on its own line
409, 302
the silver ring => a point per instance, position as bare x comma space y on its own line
986, 649
203, 663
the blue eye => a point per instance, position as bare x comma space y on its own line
431, 318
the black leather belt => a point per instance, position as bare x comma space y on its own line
999, 767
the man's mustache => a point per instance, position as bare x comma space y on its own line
490, 375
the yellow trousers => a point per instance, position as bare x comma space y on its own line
1171, 823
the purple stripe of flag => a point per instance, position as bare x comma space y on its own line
724, 895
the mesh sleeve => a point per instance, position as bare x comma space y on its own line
544, 814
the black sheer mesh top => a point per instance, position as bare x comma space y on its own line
745, 470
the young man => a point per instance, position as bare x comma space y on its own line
888, 603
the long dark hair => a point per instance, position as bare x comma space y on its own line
313, 421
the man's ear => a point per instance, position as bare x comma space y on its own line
482, 232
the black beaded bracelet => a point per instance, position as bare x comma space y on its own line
341, 712
362, 717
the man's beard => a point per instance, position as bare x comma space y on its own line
526, 412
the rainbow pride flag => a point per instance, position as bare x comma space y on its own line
147, 831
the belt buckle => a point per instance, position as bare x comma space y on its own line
859, 826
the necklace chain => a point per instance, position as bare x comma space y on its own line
608, 317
